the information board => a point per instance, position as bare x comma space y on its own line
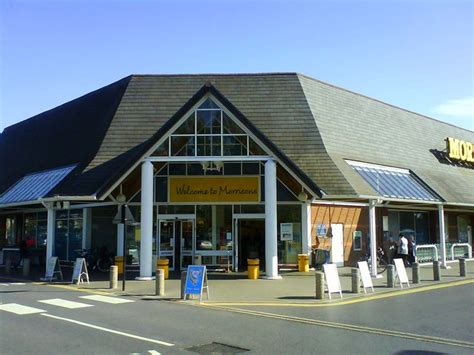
196, 281
332, 279
52, 267
80, 271
401, 272
286, 231
365, 275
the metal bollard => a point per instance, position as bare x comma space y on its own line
355, 275
436, 271
113, 276
415, 273
390, 275
183, 283
462, 267
26, 267
160, 282
319, 285
8, 265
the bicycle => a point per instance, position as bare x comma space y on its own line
381, 262
96, 259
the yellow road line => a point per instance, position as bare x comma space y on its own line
345, 302
349, 327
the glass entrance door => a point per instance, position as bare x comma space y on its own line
175, 242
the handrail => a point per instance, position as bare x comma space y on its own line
469, 249
427, 246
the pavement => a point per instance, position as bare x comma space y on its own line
293, 289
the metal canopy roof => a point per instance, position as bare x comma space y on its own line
34, 186
394, 182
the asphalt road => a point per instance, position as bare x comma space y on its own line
437, 321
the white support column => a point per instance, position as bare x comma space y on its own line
306, 227
373, 238
442, 235
271, 231
146, 244
50, 232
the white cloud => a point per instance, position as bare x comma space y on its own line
459, 107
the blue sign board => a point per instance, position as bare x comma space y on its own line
195, 279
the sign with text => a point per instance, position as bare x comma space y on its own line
460, 150
286, 231
196, 281
332, 279
80, 271
321, 230
214, 189
52, 267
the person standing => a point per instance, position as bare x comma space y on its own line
403, 248
411, 249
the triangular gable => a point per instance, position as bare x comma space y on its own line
148, 147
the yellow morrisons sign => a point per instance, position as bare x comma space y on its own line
459, 149
214, 189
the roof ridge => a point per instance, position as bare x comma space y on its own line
215, 74
382, 102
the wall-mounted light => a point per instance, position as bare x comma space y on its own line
302, 196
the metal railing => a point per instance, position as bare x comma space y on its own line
422, 257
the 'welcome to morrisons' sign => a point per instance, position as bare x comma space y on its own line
460, 150
214, 189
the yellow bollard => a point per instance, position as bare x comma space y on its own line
119, 263
303, 263
163, 264
253, 268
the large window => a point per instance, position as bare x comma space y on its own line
412, 224
68, 235
209, 131
35, 229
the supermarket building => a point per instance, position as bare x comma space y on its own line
218, 169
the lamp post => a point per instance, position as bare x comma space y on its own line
121, 199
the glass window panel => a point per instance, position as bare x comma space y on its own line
230, 127
74, 238
252, 209
163, 149
182, 146
212, 225
61, 214
250, 168
235, 145
232, 168
177, 168
209, 145
60, 239
163, 170
75, 213
288, 250
41, 234
421, 228
29, 230
161, 189
195, 169
176, 209
208, 104
254, 148
187, 127
42, 215
209, 122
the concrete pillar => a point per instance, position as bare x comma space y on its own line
146, 244
355, 276
462, 267
319, 278
436, 271
160, 282
390, 275
373, 239
271, 231
50, 233
306, 227
442, 235
415, 270
113, 276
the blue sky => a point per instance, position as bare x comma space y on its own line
414, 54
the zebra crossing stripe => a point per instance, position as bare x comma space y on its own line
65, 303
106, 299
19, 309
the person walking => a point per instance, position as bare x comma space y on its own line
403, 248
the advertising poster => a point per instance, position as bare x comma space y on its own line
286, 231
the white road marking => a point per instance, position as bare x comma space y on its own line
154, 352
65, 303
19, 309
18, 283
106, 299
4, 284
108, 330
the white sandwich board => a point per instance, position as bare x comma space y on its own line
53, 267
365, 275
401, 272
332, 279
80, 271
